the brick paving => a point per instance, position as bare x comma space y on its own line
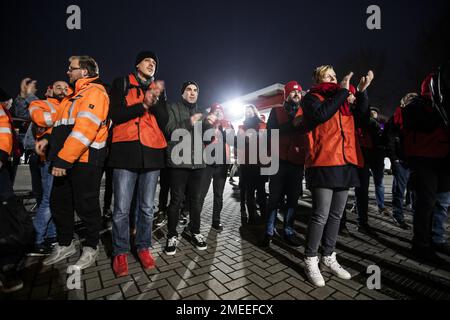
234, 267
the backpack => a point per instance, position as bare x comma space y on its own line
16, 227
440, 92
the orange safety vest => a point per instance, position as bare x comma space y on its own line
333, 143
85, 112
6, 134
145, 128
292, 146
44, 114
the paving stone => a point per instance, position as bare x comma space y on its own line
103, 293
192, 290
235, 294
322, 293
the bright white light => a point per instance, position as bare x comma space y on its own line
236, 108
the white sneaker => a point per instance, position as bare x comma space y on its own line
60, 253
330, 262
313, 272
87, 258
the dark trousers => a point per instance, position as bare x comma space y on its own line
218, 175
254, 182
164, 187
78, 191
362, 195
107, 198
242, 188
428, 179
287, 182
193, 180
36, 179
6, 187
401, 177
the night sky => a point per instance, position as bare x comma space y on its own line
229, 47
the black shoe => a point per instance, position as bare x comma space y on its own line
160, 219
11, 282
183, 221
401, 224
187, 234
442, 248
265, 243
384, 212
107, 213
218, 227
171, 246
51, 242
40, 251
199, 242
343, 232
293, 241
366, 229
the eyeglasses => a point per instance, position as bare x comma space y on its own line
72, 69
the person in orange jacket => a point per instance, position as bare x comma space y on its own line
44, 114
137, 154
6, 146
77, 152
332, 158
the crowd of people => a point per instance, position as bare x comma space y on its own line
329, 135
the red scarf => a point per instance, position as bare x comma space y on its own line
328, 90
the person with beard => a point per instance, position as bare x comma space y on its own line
288, 180
426, 143
136, 155
252, 180
77, 155
43, 114
332, 158
185, 117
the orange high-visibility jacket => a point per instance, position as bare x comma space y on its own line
333, 143
6, 137
81, 128
145, 128
44, 114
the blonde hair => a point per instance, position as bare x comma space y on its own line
319, 72
407, 99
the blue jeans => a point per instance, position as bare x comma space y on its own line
288, 223
43, 222
440, 215
378, 175
124, 182
401, 177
